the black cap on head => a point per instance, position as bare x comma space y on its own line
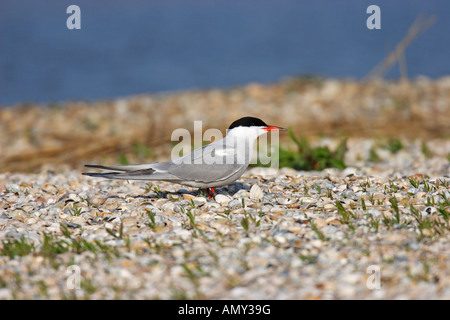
248, 122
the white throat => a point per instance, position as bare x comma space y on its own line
242, 139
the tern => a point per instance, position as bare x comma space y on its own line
214, 165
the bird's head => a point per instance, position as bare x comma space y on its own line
251, 127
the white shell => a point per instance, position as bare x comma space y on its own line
256, 194
222, 199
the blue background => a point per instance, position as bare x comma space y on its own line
132, 47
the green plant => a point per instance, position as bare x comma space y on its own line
194, 276
393, 187
141, 151
191, 218
319, 233
202, 193
309, 258
429, 227
443, 183
329, 193
428, 187
51, 246
159, 193
122, 158
444, 198
426, 150
307, 157
12, 248
363, 204
365, 185
414, 182
245, 223
394, 205
346, 215
374, 223
151, 216
256, 221
444, 211
75, 211
318, 188
373, 155
387, 222
118, 235
394, 145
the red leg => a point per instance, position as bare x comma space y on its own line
209, 191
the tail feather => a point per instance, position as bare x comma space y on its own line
132, 175
145, 174
128, 167
109, 175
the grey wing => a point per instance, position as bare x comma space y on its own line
206, 173
212, 163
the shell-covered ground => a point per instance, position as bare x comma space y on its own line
378, 229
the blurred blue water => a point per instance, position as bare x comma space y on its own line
131, 47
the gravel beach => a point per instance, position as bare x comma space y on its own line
378, 229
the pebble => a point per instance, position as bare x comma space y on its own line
168, 206
348, 194
286, 201
77, 220
378, 195
256, 194
222, 199
199, 201
235, 204
320, 223
73, 225
188, 196
129, 221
